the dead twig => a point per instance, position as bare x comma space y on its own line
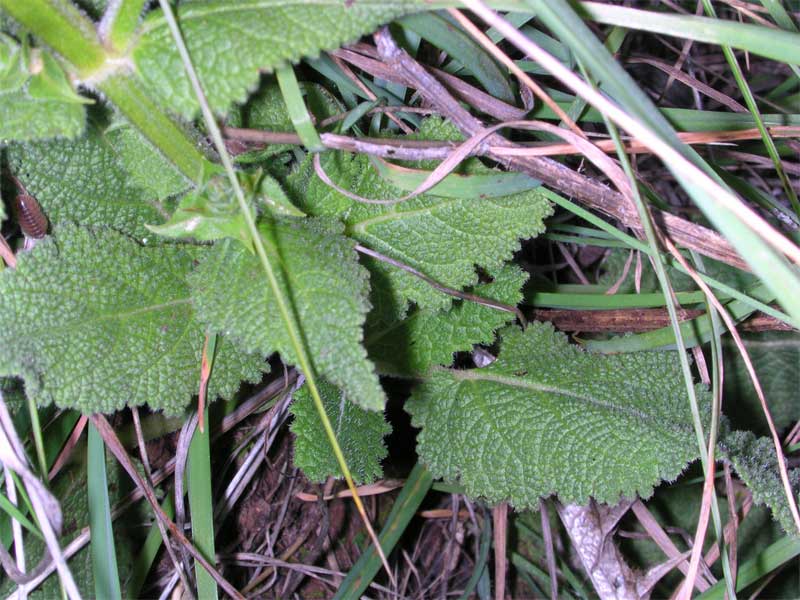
560, 177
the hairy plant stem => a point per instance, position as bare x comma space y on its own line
64, 28
294, 335
128, 95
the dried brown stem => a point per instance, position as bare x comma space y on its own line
634, 320
592, 193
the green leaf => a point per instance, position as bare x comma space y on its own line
754, 460
360, 434
327, 288
443, 237
146, 167
231, 43
776, 359
94, 321
85, 181
267, 111
429, 338
38, 106
52, 83
23, 118
13, 70
548, 418
206, 214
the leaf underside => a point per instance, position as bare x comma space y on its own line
548, 418
92, 320
318, 271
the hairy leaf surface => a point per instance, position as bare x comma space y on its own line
359, 432
317, 270
755, 462
23, 118
444, 238
92, 320
86, 181
548, 418
36, 106
231, 42
427, 338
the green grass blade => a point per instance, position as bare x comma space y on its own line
411, 496
694, 331
296, 106
16, 514
493, 185
606, 302
783, 46
642, 119
198, 486
758, 567
750, 101
448, 36
104, 556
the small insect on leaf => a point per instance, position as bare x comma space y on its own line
28, 213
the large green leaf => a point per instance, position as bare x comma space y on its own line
318, 272
444, 238
548, 418
754, 460
94, 321
231, 42
359, 432
109, 177
427, 338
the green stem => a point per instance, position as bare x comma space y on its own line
126, 92
291, 327
62, 27
124, 23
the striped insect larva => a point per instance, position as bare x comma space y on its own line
29, 215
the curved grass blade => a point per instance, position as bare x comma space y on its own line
296, 106
413, 493
770, 43
104, 556
775, 555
